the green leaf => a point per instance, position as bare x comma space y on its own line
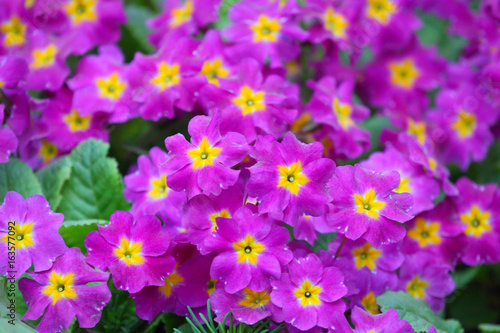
95, 188
223, 13
463, 277
489, 328
52, 179
416, 312
323, 241
136, 16
20, 308
18, 176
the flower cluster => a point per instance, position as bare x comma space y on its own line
279, 97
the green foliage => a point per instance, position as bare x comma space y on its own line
489, 328
17, 176
323, 241
21, 308
416, 312
52, 179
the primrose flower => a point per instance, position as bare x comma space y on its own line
188, 285
310, 294
15, 28
8, 140
414, 179
307, 227
386, 322
148, 188
203, 166
201, 213
425, 278
135, 252
290, 177
13, 70
367, 205
32, 229
247, 306
252, 250
479, 214
62, 292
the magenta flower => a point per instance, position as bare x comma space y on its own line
252, 251
148, 188
30, 227
387, 322
188, 285
201, 213
367, 205
310, 295
289, 178
62, 292
307, 227
247, 306
13, 70
135, 252
203, 166
8, 140
414, 179
426, 278
479, 213
332, 106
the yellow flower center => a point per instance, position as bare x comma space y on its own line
248, 249
44, 57
77, 123
367, 204
381, 10
212, 217
477, 221
182, 14
204, 155
300, 122
14, 30
111, 87
23, 235
48, 151
366, 256
159, 188
254, 299
167, 76
170, 281
417, 128
343, 113
336, 23
404, 73
250, 101
465, 124
404, 185
265, 29
291, 177
213, 70
81, 11
60, 286
425, 233
211, 286
307, 294
416, 287
370, 303
129, 252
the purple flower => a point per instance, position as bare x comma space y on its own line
148, 188
188, 285
247, 306
387, 322
426, 278
8, 140
289, 178
62, 292
310, 295
135, 252
307, 227
367, 205
12, 71
30, 227
414, 179
479, 213
252, 251
201, 213
203, 166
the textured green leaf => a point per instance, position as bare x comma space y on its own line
21, 308
323, 241
489, 328
416, 312
95, 188
18, 176
52, 179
